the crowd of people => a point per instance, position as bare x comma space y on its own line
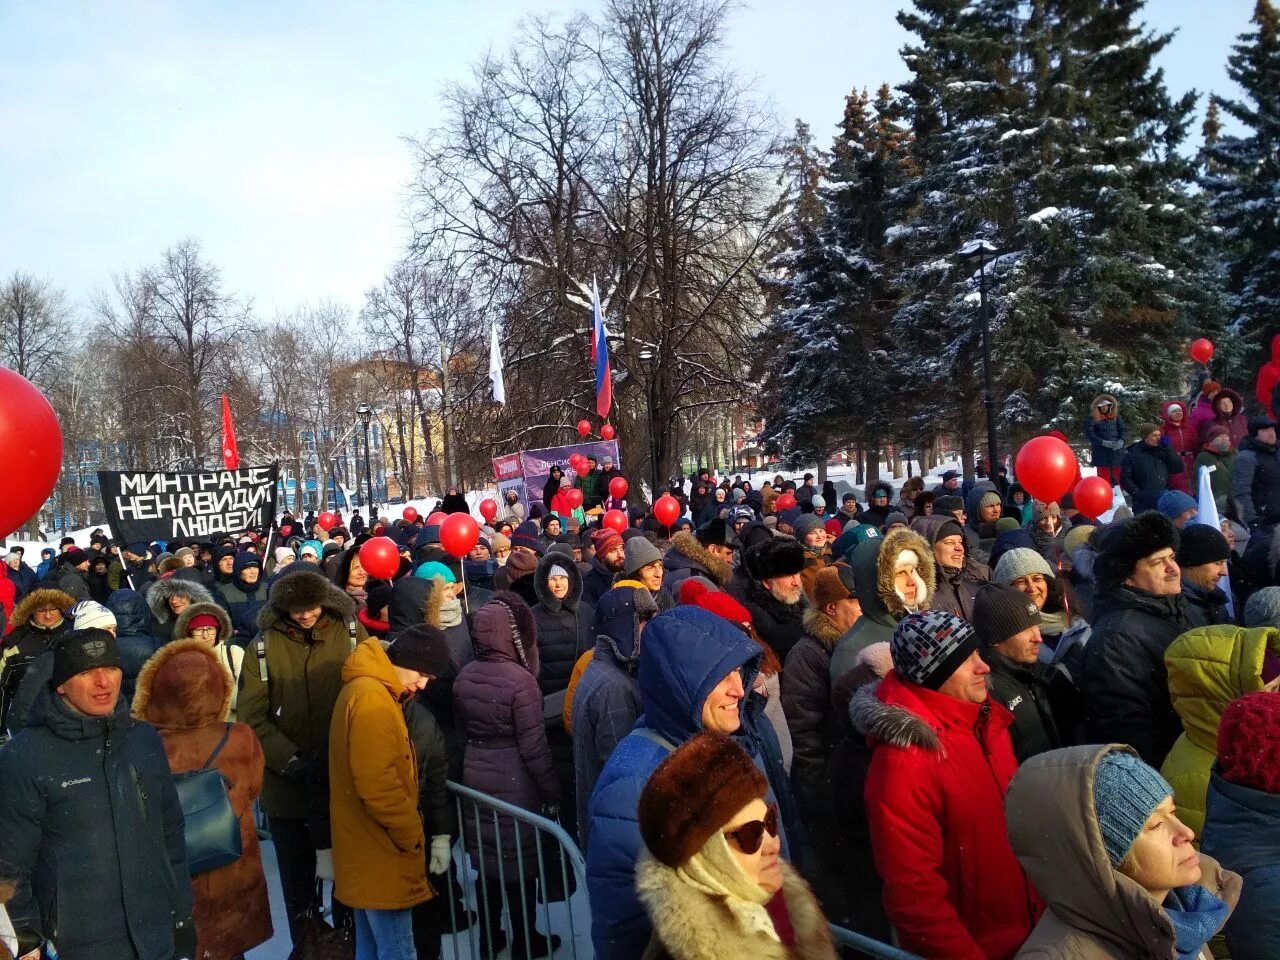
955, 719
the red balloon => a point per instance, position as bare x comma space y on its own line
579, 462
459, 533
1046, 468
607, 432
410, 514
618, 487
784, 502
437, 518
666, 509
584, 428
380, 557
615, 520
1092, 496
573, 497
1202, 350
326, 520
488, 509
30, 447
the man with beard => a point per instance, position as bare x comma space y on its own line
1138, 611
605, 565
770, 587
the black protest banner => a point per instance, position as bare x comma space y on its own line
167, 506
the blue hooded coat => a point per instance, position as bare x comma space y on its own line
686, 653
1242, 832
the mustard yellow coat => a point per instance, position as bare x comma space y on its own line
1208, 668
379, 853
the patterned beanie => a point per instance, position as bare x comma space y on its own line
929, 646
1249, 742
1125, 793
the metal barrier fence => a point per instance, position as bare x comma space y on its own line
491, 826
479, 815
864, 946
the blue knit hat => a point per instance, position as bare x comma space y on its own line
1174, 503
432, 569
1125, 793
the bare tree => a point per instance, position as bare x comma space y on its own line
35, 327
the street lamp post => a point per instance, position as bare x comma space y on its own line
981, 250
366, 415
648, 356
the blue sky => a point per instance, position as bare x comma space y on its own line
272, 131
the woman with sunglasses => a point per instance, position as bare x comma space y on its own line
712, 881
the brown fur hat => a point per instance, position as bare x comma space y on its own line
692, 795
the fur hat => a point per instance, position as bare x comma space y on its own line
1121, 545
302, 587
694, 793
1249, 740
833, 583
777, 557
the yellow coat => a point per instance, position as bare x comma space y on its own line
1208, 668
379, 847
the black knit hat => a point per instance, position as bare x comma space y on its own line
528, 535
776, 557
1001, 612
717, 532
82, 650
1200, 544
423, 648
1123, 543
929, 646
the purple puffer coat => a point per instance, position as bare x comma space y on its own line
499, 708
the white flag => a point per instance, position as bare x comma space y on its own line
495, 368
1208, 515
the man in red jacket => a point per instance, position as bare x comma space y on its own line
941, 762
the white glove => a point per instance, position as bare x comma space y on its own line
324, 865
440, 847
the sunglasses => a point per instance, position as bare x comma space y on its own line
749, 836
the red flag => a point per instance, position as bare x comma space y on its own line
230, 455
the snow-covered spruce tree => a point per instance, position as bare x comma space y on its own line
1116, 269
962, 86
823, 383
1241, 178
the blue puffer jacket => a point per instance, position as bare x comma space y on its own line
1242, 832
686, 653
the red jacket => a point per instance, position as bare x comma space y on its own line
8, 594
953, 889
1184, 438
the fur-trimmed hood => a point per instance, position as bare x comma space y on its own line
182, 629
888, 723
184, 685
689, 924
687, 552
894, 544
300, 590
822, 628
1100, 398
1237, 404
160, 591
40, 598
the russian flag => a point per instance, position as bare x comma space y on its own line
600, 355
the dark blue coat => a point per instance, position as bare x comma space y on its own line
94, 834
133, 634
1242, 832
686, 653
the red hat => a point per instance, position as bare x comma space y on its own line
833, 527
202, 620
606, 539
1249, 742
724, 606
